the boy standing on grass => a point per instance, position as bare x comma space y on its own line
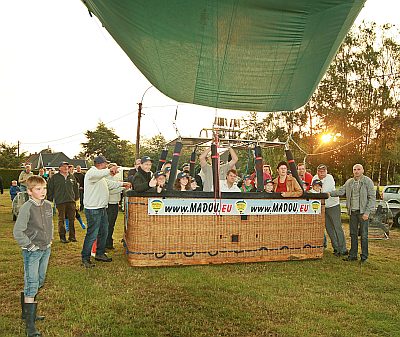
14, 190
33, 231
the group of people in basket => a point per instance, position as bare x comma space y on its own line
144, 180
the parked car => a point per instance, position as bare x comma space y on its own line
391, 194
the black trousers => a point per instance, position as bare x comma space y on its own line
112, 213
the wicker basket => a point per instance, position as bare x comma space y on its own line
206, 239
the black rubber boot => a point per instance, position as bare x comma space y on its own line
38, 318
30, 313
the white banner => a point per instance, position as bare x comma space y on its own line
159, 206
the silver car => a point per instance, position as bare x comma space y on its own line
391, 194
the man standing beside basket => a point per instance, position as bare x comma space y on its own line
360, 202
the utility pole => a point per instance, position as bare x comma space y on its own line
18, 148
138, 124
139, 116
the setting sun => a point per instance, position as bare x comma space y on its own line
326, 137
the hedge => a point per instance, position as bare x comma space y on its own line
9, 175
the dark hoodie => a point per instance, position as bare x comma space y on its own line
141, 180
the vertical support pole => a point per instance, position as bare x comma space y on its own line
292, 167
259, 168
174, 165
215, 168
163, 159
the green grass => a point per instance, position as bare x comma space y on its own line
325, 297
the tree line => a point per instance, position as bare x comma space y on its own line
356, 106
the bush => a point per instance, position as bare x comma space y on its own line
9, 175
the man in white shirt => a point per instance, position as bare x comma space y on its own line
229, 184
206, 173
333, 222
95, 199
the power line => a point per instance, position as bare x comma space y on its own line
77, 134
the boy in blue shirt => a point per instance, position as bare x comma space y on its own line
33, 232
14, 189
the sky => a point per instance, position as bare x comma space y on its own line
61, 74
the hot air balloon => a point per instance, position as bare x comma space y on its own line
253, 55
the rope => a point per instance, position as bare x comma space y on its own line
160, 255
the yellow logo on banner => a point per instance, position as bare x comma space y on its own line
316, 205
241, 206
156, 205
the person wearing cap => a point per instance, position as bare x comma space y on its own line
23, 177
166, 165
206, 172
143, 180
186, 168
304, 176
161, 179
269, 186
333, 222
133, 171
95, 200
316, 186
113, 205
360, 201
286, 184
247, 185
229, 184
182, 182
63, 189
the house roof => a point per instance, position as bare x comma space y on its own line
41, 159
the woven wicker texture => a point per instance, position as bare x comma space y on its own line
188, 240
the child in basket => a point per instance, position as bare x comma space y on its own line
316, 186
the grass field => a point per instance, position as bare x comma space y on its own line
327, 297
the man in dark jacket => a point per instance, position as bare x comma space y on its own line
143, 180
63, 189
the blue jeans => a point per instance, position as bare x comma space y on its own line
356, 221
97, 227
22, 188
35, 267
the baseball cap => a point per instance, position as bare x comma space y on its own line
145, 159
247, 176
321, 167
182, 175
268, 181
100, 160
317, 182
159, 173
63, 163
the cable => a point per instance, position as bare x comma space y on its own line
79, 133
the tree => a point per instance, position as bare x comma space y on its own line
9, 157
104, 141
